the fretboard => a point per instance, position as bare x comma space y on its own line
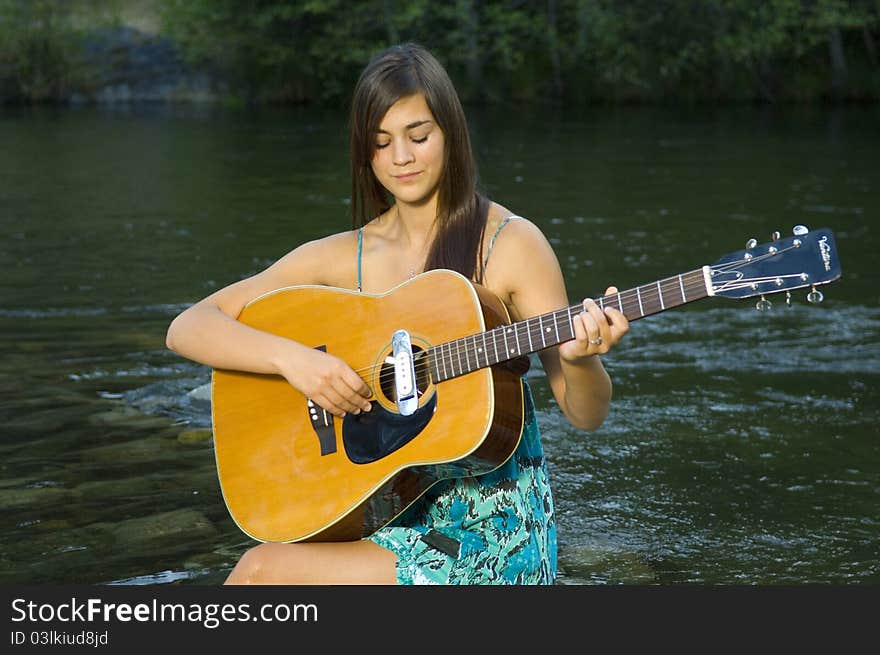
506, 342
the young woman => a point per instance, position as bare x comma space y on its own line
416, 207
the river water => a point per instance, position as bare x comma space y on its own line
742, 446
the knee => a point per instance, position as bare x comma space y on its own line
252, 568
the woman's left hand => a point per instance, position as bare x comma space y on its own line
596, 331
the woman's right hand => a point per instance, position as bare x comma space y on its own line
326, 380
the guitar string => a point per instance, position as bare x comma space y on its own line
460, 347
645, 293
628, 299
753, 260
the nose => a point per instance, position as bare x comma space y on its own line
401, 154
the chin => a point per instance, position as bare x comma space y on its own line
415, 196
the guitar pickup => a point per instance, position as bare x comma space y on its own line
406, 393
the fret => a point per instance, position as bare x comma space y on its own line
639, 296
681, 286
433, 366
485, 349
462, 357
442, 360
495, 343
529, 333
476, 353
660, 295
620, 303
556, 327
541, 328
570, 324
516, 339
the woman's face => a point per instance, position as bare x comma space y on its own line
408, 160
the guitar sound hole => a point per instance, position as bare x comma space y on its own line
423, 378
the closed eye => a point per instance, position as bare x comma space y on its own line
380, 146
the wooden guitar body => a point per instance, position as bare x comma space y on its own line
285, 476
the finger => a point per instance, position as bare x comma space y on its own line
595, 320
595, 312
588, 334
356, 390
612, 298
341, 403
356, 383
580, 329
611, 309
619, 323
579, 323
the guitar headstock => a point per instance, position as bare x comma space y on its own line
806, 259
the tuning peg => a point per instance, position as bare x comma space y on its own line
751, 243
774, 236
799, 230
788, 298
815, 296
763, 304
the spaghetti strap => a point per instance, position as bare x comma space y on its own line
360, 250
495, 236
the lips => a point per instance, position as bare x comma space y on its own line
407, 176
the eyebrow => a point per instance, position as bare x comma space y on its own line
409, 127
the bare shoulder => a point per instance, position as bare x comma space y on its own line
308, 262
506, 225
522, 268
510, 239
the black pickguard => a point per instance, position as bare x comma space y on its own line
370, 436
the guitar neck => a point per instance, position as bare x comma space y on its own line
506, 342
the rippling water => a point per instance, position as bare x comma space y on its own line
741, 448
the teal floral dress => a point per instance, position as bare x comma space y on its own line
496, 529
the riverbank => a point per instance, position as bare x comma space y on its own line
562, 53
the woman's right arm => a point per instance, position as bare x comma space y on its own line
208, 333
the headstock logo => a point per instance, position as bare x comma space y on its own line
825, 251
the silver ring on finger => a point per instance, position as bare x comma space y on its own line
597, 341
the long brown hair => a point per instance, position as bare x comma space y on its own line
395, 73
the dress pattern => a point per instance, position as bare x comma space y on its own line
497, 528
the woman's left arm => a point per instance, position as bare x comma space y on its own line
578, 379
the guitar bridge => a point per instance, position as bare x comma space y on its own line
322, 422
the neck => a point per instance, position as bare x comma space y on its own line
506, 342
414, 223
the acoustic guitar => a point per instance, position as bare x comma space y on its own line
444, 362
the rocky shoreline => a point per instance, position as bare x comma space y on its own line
124, 65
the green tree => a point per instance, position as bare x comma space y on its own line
41, 45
